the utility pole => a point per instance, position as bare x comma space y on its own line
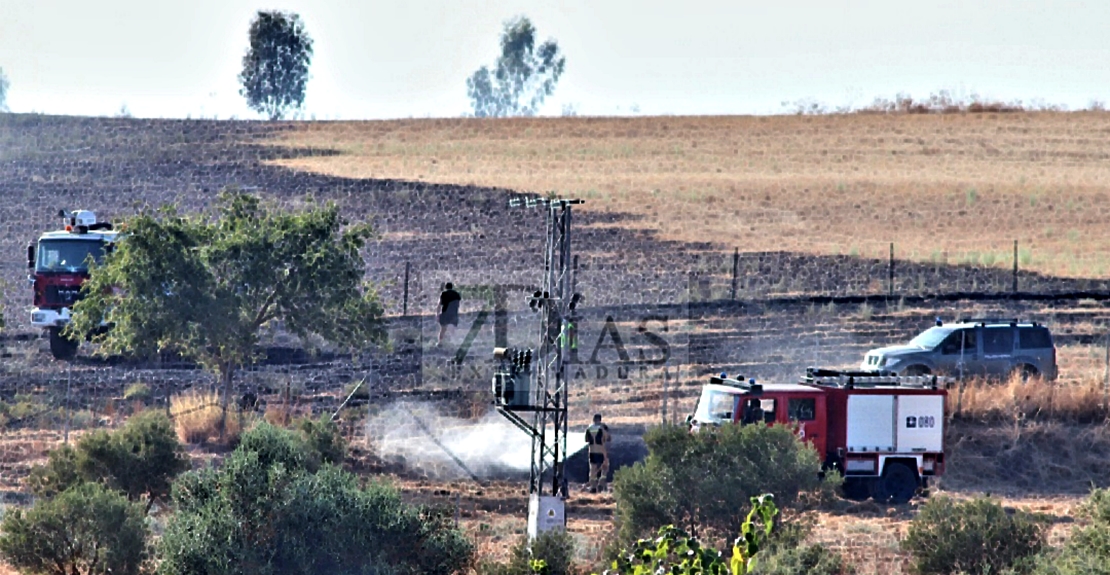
542, 395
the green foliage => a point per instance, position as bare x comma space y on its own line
323, 439
85, 530
1087, 551
523, 77
205, 288
137, 392
700, 480
809, 559
266, 511
275, 67
976, 537
141, 459
550, 553
677, 552
4, 84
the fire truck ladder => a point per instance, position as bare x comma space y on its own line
855, 379
544, 414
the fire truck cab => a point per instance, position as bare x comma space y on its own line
59, 264
883, 433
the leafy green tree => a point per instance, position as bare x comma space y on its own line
86, 530
204, 288
523, 76
974, 537
700, 480
141, 460
275, 67
4, 84
266, 511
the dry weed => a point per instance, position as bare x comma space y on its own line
1035, 400
197, 416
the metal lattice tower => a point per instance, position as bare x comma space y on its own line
548, 390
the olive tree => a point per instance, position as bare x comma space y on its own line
86, 530
203, 287
4, 84
267, 510
522, 78
275, 67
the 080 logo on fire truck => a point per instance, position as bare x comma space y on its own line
920, 421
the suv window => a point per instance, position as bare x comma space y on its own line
801, 409
951, 344
1034, 338
998, 340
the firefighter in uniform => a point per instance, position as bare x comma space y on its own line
597, 442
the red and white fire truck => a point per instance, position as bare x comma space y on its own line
59, 265
883, 433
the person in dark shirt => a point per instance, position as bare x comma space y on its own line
448, 314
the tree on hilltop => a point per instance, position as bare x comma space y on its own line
4, 84
523, 76
275, 67
204, 287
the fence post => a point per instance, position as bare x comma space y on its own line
735, 270
405, 308
890, 273
1014, 288
1106, 378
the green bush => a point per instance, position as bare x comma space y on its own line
138, 392
975, 537
85, 530
324, 439
701, 480
554, 548
1087, 551
140, 459
811, 560
267, 511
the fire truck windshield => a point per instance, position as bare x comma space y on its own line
67, 255
715, 406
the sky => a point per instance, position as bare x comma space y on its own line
411, 58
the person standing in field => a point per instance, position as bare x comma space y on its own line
597, 443
448, 314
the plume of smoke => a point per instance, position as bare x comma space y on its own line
421, 438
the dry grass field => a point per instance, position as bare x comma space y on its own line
954, 188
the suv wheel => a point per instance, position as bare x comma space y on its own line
1025, 372
917, 370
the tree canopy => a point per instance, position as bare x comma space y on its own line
266, 511
203, 287
523, 76
275, 67
4, 84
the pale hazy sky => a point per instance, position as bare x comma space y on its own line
377, 59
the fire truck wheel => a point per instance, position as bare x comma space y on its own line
62, 347
856, 489
897, 485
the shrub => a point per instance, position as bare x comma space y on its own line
323, 439
976, 537
1087, 550
811, 559
701, 480
140, 459
85, 530
554, 548
138, 392
266, 511
197, 416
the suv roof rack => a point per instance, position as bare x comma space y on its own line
990, 320
850, 379
738, 382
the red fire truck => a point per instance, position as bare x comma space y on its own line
59, 265
883, 433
